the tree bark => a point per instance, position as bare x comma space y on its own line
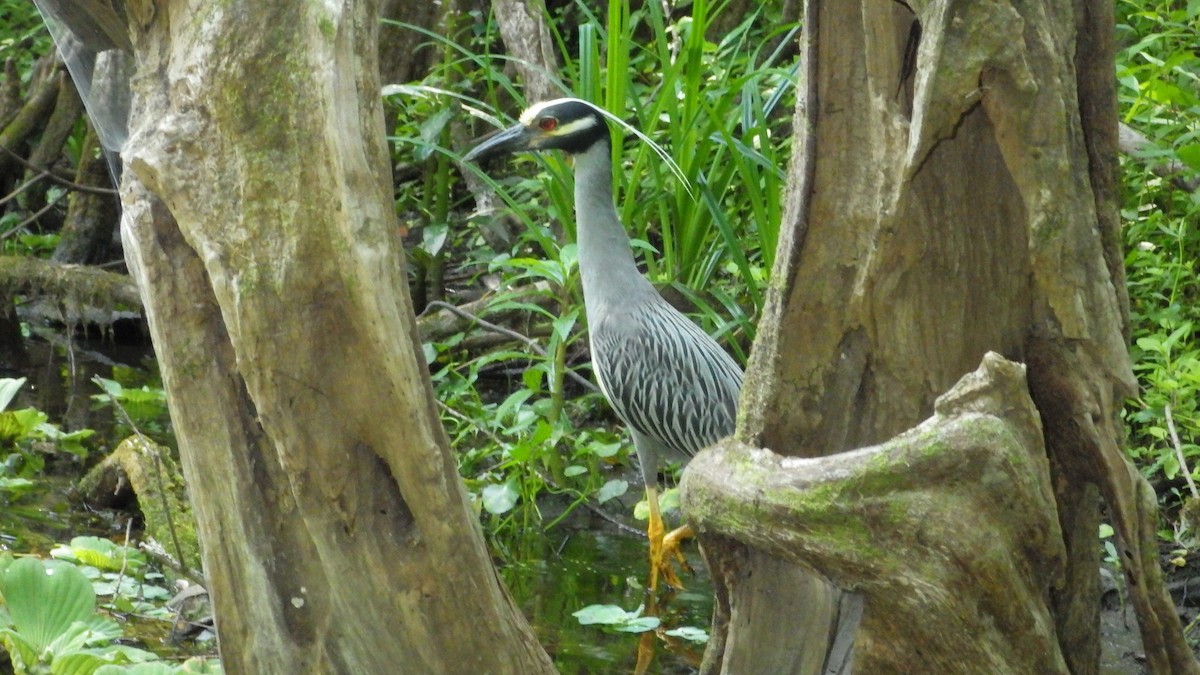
948, 529
336, 533
528, 40
933, 216
88, 232
31, 117
59, 126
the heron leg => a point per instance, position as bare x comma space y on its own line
672, 541
660, 561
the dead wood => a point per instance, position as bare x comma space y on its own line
527, 38
1135, 144
961, 506
29, 119
74, 289
67, 109
88, 235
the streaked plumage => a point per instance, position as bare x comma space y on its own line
668, 380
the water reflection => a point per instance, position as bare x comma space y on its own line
562, 572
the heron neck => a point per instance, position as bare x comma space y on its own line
610, 275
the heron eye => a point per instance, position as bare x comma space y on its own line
548, 124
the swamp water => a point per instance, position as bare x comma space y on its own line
583, 561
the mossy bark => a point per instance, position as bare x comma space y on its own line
259, 225
959, 507
162, 496
941, 207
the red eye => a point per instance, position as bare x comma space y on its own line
548, 124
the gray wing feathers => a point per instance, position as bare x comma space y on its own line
665, 377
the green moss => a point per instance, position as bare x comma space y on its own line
325, 25
162, 495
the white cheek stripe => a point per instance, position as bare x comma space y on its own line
575, 126
536, 109
529, 117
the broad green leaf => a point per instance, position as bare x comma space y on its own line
604, 450
29, 419
111, 388
613, 488
615, 618
498, 499
690, 633
80, 663
100, 553
574, 470
45, 598
8, 389
602, 614
16, 486
639, 625
1190, 155
433, 237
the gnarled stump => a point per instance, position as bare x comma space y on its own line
960, 506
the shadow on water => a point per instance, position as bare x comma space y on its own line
582, 562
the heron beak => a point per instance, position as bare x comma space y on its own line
512, 139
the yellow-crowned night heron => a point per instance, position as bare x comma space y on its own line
669, 381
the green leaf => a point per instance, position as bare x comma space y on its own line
1190, 155
81, 663
30, 419
564, 324
100, 553
45, 599
605, 450
16, 486
111, 388
690, 633
639, 625
613, 488
615, 618
8, 389
498, 499
669, 500
601, 614
433, 237
574, 470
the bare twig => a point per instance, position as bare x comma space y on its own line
55, 178
124, 558
1183, 467
21, 188
16, 228
483, 323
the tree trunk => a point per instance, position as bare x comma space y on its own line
88, 232
528, 39
259, 225
967, 206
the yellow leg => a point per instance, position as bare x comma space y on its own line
661, 546
672, 541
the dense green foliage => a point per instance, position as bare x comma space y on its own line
720, 108
719, 101
1159, 87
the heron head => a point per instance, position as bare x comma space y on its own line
567, 124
